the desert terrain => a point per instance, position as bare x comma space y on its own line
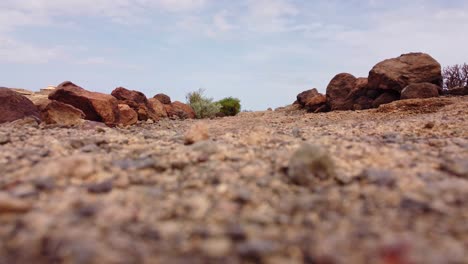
392, 188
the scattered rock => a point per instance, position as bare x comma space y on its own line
102, 187
420, 90
14, 106
397, 73
128, 116
62, 114
309, 164
197, 132
137, 101
180, 110
157, 107
96, 106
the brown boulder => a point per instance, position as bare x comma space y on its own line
397, 73
96, 106
137, 101
62, 114
128, 116
346, 92
311, 99
14, 106
420, 90
457, 91
385, 98
157, 107
180, 110
163, 98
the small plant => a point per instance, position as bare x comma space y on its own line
203, 106
455, 76
230, 106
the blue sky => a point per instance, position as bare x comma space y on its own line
262, 51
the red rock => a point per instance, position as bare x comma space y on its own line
339, 90
62, 114
128, 116
96, 106
420, 90
397, 73
385, 98
14, 106
311, 99
180, 110
157, 107
137, 101
163, 98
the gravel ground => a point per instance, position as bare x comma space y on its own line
378, 186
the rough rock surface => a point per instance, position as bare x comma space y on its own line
338, 90
96, 106
139, 195
457, 91
397, 73
14, 106
311, 99
157, 107
137, 101
128, 116
62, 114
420, 90
179, 110
165, 99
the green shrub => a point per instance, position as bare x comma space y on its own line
203, 106
230, 106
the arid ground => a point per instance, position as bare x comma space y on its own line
398, 191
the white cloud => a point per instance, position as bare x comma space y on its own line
13, 51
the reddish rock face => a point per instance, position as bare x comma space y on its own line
338, 91
128, 116
14, 106
96, 106
157, 107
62, 114
385, 98
311, 99
420, 90
163, 98
397, 73
137, 101
181, 110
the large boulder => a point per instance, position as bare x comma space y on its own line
180, 110
165, 99
311, 100
137, 101
346, 92
128, 116
420, 90
96, 106
157, 107
62, 114
385, 98
14, 106
397, 73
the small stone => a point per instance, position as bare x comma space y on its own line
103, 187
44, 184
4, 139
10, 204
236, 233
429, 125
196, 133
216, 247
379, 177
255, 250
310, 163
456, 166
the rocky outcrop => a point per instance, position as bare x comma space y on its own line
311, 100
137, 101
420, 90
338, 90
96, 106
157, 107
179, 110
128, 116
385, 98
163, 98
397, 73
14, 106
62, 114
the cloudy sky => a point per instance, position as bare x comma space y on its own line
262, 51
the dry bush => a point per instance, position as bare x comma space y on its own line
455, 76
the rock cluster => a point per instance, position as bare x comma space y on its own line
410, 76
69, 105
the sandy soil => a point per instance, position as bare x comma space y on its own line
395, 189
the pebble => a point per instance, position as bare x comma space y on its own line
10, 204
102, 187
197, 132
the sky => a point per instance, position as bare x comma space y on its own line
263, 52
